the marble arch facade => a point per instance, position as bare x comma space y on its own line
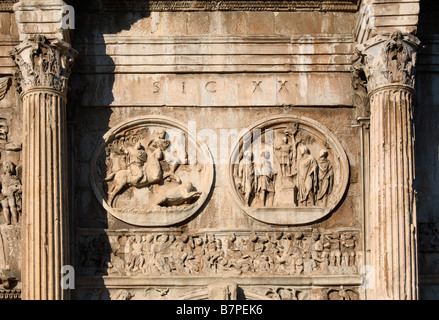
219, 149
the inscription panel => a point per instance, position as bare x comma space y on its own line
228, 90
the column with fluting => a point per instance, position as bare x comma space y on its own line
388, 63
43, 71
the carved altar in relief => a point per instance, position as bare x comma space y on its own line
288, 170
141, 172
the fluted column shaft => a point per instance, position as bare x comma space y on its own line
45, 248
43, 70
386, 66
392, 202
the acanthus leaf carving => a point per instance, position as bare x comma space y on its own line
43, 63
385, 60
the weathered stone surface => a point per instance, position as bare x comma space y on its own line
288, 171
41, 81
152, 172
41, 17
327, 211
387, 66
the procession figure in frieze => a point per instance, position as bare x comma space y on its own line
335, 249
348, 243
301, 253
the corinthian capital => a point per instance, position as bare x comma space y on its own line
387, 59
43, 63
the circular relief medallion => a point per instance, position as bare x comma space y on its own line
141, 172
288, 170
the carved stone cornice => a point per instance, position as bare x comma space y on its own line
387, 59
7, 5
10, 294
216, 5
43, 64
208, 5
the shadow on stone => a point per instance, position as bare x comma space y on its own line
93, 80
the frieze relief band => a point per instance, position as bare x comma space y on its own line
299, 253
227, 291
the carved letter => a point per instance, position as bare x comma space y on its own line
256, 85
156, 85
211, 86
282, 85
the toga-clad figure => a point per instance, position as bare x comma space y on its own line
307, 177
246, 175
326, 178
